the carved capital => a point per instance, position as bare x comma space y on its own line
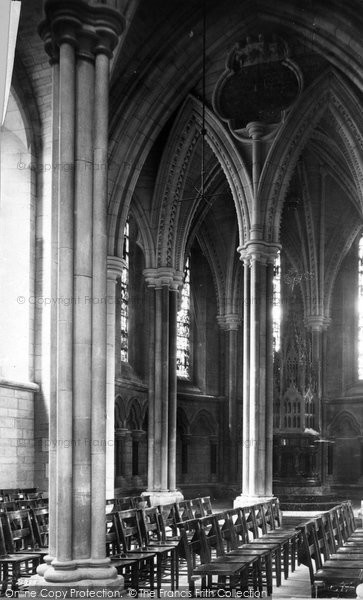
229, 322
163, 276
263, 252
317, 322
256, 130
90, 28
114, 267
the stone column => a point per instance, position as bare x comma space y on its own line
318, 325
173, 311
120, 436
114, 270
162, 386
258, 402
230, 323
82, 36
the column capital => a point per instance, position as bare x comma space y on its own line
317, 322
90, 28
256, 129
163, 276
138, 434
259, 250
115, 264
229, 322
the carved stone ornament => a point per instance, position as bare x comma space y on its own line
259, 84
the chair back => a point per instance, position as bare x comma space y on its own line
113, 546
184, 511
18, 530
309, 553
40, 518
168, 520
128, 524
206, 505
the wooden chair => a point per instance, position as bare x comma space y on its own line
231, 570
168, 521
136, 542
269, 520
153, 539
206, 505
40, 520
247, 528
331, 577
184, 511
135, 568
14, 565
140, 502
235, 548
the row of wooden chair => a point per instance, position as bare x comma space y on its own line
138, 548
144, 542
239, 547
7, 495
332, 548
127, 502
25, 503
23, 543
188, 509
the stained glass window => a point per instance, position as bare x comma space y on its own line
360, 308
276, 304
183, 329
125, 297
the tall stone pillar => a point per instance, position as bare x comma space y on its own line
163, 285
114, 270
80, 37
258, 259
318, 325
230, 323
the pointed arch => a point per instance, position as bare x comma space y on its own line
328, 92
183, 425
343, 425
174, 221
144, 231
337, 253
134, 417
120, 412
205, 422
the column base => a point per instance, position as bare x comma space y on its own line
246, 500
76, 578
163, 497
73, 589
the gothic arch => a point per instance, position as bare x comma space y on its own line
134, 417
210, 252
204, 422
144, 231
120, 412
183, 425
337, 253
344, 425
331, 93
174, 222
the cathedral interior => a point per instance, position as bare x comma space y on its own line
181, 243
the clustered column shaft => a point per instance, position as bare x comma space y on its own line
258, 260
163, 300
80, 38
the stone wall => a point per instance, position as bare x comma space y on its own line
16, 437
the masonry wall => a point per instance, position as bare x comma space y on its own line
16, 437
